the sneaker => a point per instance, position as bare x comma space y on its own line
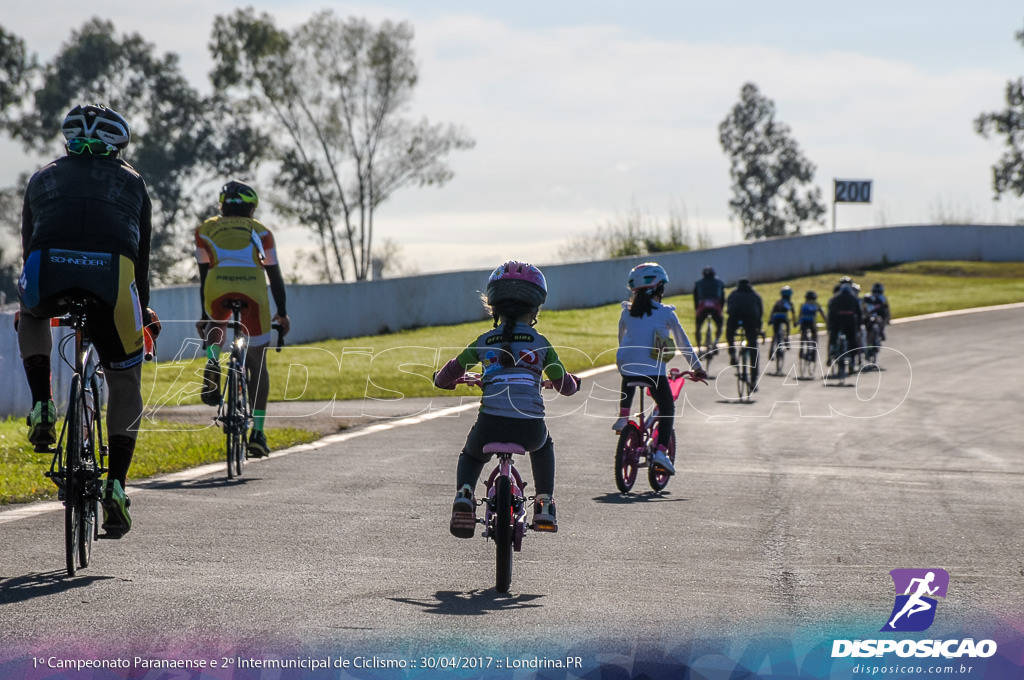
620, 424
211, 383
116, 520
662, 460
463, 523
258, 445
42, 429
544, 514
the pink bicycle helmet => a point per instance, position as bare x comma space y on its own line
646, 275
517, 282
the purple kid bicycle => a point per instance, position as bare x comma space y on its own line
506, 504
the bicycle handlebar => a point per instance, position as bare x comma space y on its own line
476, 380
473, 379
675, 373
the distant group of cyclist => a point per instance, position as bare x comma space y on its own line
848, 313
86, 231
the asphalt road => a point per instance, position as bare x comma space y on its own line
786, 513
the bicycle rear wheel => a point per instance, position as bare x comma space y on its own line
91, 473
873, 344
503, 534
743, 371
74, 504
235, 429
655, 476
627, 457
778, 352
841, 360
709, 349
808, 358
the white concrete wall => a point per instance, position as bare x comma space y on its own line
368, 308
15, 398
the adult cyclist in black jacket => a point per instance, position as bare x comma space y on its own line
85, 230
743, 305
709, 300
844, 316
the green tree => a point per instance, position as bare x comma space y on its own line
334, 92
10, 239
16, 69
1008, 172
180, 140
771, 180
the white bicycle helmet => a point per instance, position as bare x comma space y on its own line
646, 275
95, 122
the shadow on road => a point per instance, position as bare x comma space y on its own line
202, 483
30, 586
616, 498
472, 602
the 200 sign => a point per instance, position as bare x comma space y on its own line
853, 191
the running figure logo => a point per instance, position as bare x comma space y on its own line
916, 590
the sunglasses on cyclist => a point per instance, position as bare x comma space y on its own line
94, 147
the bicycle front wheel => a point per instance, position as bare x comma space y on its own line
503, 534
74, 496
627, 457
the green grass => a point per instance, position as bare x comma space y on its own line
175, 447
402, 363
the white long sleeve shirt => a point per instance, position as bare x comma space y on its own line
637, 353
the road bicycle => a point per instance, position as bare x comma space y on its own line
809, 351
840, 358
780, 340
746, 362
872, 339
506, 504
638, 440
708, 347
234, 413
79, 455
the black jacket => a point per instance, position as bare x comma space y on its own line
90, 204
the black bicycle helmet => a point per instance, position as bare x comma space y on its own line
238, 193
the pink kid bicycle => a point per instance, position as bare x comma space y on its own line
506, 503
638, 440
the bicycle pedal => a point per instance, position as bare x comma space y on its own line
464, 520
545, 527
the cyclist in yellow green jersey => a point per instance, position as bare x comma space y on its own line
236, 256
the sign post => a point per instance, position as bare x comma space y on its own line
850, 191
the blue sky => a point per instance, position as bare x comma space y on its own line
583, 110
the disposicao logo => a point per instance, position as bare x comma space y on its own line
916, 590
914, 611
